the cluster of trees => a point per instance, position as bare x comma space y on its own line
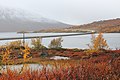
54, 44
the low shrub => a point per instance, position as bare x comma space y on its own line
37, 44
56, 43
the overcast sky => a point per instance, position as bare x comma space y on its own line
69, 11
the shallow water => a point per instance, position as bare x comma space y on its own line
24, 67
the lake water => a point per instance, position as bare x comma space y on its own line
81, 41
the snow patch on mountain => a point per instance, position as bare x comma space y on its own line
8, 13
21, 20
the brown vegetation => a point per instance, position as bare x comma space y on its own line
109, 26
103, 67
112, 25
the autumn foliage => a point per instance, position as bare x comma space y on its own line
56, 43
80, 66
112, 25
100, 68
97, 43
37, 44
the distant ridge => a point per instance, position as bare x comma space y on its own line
112, 25
109, 26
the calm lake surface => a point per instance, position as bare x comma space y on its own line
81, 41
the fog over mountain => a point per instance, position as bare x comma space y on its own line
20, 20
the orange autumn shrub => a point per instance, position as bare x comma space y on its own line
97, 43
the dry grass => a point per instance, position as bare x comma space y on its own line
100, 68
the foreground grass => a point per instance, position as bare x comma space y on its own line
102, 67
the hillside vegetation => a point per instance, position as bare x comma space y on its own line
110, 26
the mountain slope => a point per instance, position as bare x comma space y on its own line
112, 25
20, 20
